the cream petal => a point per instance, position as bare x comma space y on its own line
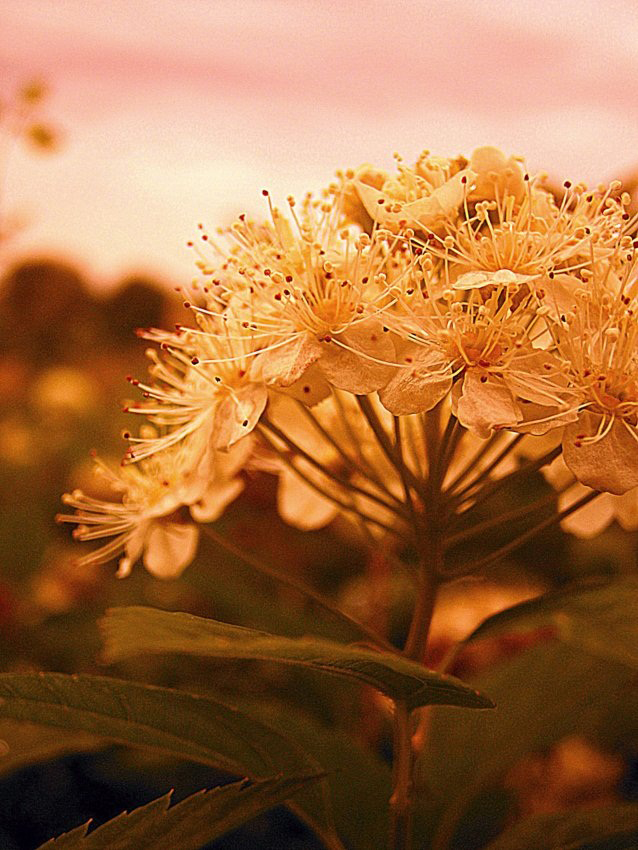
371, 198
539, 420
501, 277
609, 464
419, 388
442, 201
311, 388
482, 405
215, 500
558, 293
300, 505
535, 376
238, 414
356, 368
494, 170
286, 364
423, 211
134, 547
170, 547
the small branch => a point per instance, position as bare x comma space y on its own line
472, 463
385, 442
342, 482
354, 464
500, 520
485, 473
403, 473
344, 506
522, 472
318, 599
493, 557
450, 439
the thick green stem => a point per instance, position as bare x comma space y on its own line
430, 544
401, 800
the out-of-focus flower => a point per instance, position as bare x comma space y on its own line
64, 390
574, 773
594, 517
152, 521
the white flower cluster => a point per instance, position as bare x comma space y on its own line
322, 336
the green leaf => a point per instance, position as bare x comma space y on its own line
543, 694
189, 825
176, 723
608, 828
24, 744
131, 631
598, 617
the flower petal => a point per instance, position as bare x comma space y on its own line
356, 368
420, 388
238, 414
214, 501
483, 404
609, 463
284, 365
170, 547
300, 505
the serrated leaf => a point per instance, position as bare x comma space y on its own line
597, 616
174, 722
137, 630
607, 828
189, 824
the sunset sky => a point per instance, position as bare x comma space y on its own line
180, 112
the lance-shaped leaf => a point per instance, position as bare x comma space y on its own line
607, 828
179, 724
137, 630
189, 825
24, 744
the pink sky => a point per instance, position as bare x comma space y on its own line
176, 112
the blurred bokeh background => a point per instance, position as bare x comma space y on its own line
180, 112
166, 114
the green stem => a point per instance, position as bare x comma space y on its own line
501, 520
430, 544
401, 800
343, 482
